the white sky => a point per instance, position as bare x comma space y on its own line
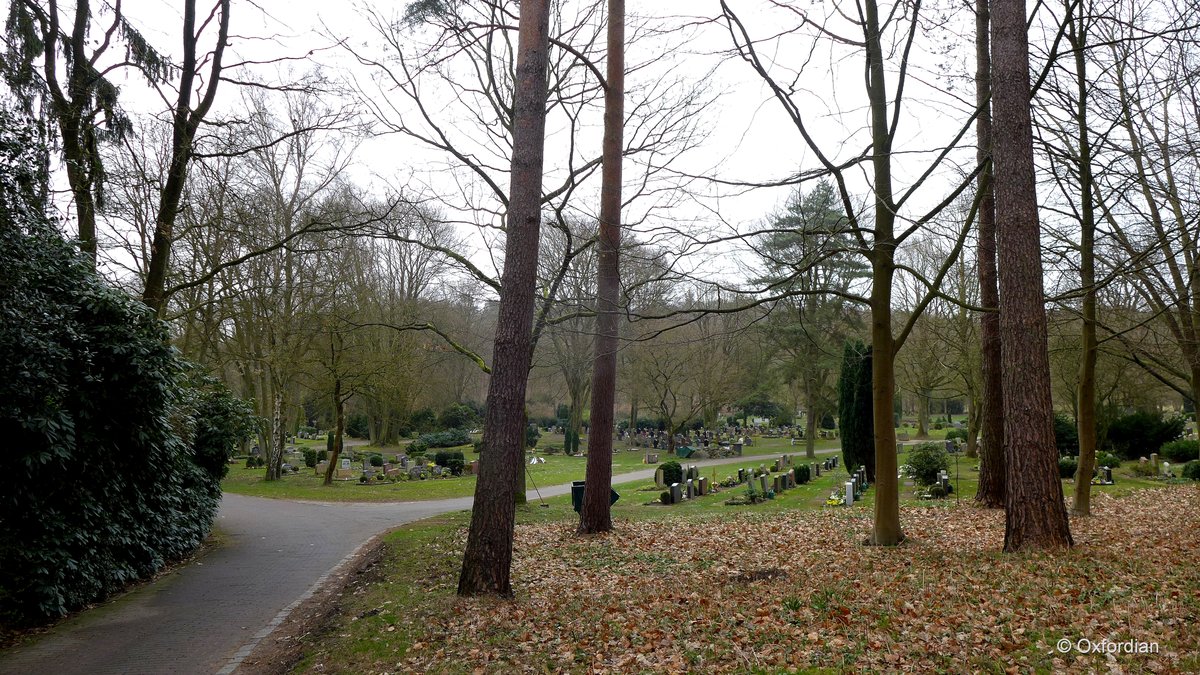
749, 136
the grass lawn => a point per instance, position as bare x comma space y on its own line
703, 587
557, 470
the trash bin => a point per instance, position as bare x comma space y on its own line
684, 451
577, 495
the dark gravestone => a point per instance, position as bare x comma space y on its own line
676, 493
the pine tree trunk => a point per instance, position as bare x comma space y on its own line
990, 493
339, 428
1035, 516
487, 562
810, 421
596, 514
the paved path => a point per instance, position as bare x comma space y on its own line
206, 615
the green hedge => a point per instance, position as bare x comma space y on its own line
1180, 451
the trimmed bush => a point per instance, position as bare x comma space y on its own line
1108, 459
1142, 470
927, 460
952, 434
310, 458
1180, 451
803, 474
1067, 467
1191, 470
452, 460
672, 472
322, 456
376, 460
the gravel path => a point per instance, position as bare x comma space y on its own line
204, 617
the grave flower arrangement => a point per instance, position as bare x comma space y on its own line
836, 498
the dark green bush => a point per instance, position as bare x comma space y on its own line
322, 456
1067, 467
444, 439
357, 426
672, 472
99, 486
952, 434
310, 458
451, 459
803, 474
458, 416
926, 461
1191, 470
1180, 451
329, 442
1066, 436
1107, 459
1141, 433
376, 460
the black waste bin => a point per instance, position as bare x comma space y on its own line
577, 495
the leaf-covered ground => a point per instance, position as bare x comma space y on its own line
783, 591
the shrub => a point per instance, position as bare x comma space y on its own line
322, 456
310, 458
952, 434
1066, 436
457, 416
927, 460
1180, 451
672, 472
532, 435
452, 460
938, 426
329, 442
803, 474
1142, 469
1067, 467
1142, 433
376, 460
101, 484
551, 450
444, 439
1108, 459
665, 497
937, 492
1191, 470
358, 426
855, 408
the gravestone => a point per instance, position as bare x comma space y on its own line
416, 472
741, 476
691, 488
658, 478
737, 449
854, 487
791, 474
474, 467
1154, 460
652, 458
1106, 476
818, 467
899, 448
849, 493
676, 493
775, 484
322, 467
703, 486
762, 484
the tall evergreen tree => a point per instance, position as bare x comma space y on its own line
855, 409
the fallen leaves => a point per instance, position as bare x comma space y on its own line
797, 591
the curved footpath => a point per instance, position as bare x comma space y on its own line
207, 615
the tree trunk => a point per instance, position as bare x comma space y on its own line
274, 449
633, 413
339, 428
886, 531
923, 396
1086, 413
990, 493
1035, 516
596, 514
487, 561
810, 421
973, 423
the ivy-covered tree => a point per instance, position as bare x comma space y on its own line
855, 417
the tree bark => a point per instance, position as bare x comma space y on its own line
487, 562
339, 429
1035, 516
990, 493
596, 514
810, 419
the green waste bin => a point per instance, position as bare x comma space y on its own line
684, 451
